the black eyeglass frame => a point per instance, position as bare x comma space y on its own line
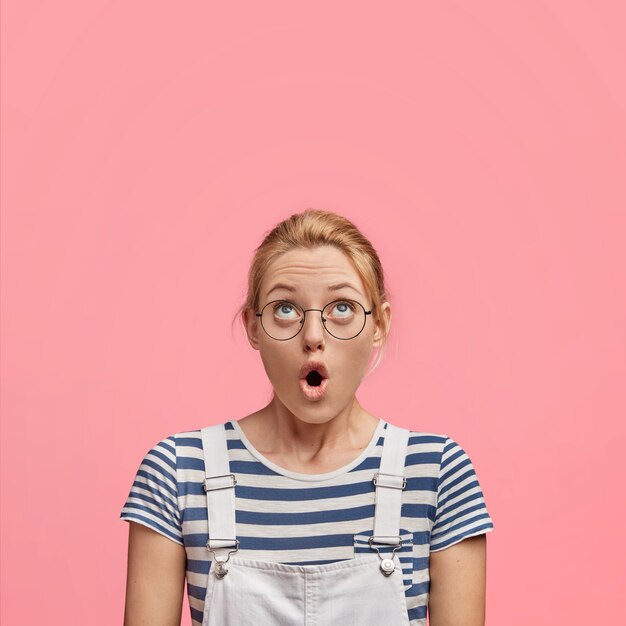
304, 312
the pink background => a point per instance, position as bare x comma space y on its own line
146, 149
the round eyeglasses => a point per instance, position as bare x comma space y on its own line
342, 319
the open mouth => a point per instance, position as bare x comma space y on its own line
314, 378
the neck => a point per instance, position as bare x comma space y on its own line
279, 432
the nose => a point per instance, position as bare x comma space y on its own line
313, 332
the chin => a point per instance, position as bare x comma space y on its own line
320, 418
309, 412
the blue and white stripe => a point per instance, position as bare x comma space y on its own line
283, 517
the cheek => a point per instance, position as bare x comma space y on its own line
278, 362
354, 359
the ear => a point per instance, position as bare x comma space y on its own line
252, 327
383, 323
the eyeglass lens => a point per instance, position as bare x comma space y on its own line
343, 319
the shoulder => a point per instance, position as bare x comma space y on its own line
417, 437
443, 449
424, 453
183, 441
183, 450
433, 451
423, 441
165, 455
432, 441
441, 442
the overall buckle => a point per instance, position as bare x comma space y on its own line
220, 564
387, 565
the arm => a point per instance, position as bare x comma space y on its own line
155, 578
457, 584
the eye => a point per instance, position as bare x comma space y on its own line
342, 309
286, 311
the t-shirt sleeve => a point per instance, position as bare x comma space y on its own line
153, 498
461, 510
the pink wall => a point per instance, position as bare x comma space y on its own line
147, 148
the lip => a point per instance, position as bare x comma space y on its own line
314, 365
314, 394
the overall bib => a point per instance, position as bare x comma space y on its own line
367, 590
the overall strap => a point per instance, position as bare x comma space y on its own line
390, 482
219, 485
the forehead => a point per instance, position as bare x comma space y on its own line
312, 268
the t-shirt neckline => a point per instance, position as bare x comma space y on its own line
378, 432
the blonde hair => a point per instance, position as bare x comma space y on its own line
310, 229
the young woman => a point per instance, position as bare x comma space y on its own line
310, 510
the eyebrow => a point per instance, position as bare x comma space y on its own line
330, 287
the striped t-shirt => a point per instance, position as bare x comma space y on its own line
303, 519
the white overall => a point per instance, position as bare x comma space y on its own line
364, 591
